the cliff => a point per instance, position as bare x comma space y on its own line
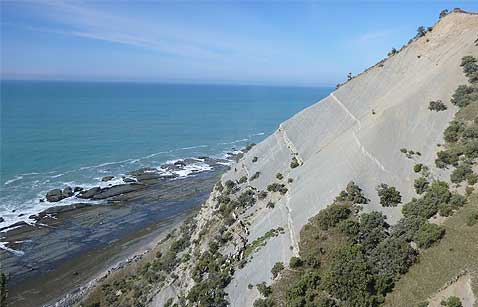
354, 134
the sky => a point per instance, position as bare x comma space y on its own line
231, 42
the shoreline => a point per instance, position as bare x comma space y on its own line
70, 248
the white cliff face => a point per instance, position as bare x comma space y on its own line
339, 139
355, 134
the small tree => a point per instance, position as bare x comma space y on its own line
452, 301
392, 52
421, 31
389, 196
294, 163
349, 76
263, 289
437, 106
443, 13
295, 262
421, 184
277, 268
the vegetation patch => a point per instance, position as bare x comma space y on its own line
294, 163
389, 196
258, 243
437, 105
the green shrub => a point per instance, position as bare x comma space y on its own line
467, 59
264, 302
231, 186
421, 31
246, 199
277, 268
471, 149
417, 168
454, 131
452, 301
352, 193
263, 289
326, 302
472, 218
448, 157
270, 205
407, 227
262, 195
391, 258
438, 192
464, 95
350, 278
254, 160
469, 65
419, 208
472, 179
277, 187
305, 287
243, 179
295, 262
392, 52
332, 215
403, 150
294, 163
389, 196
428, 234
373, 229
350, 228
249, 146
421, 184
460, 173
437, 106
279, 176
471, 132
457, 200
290, 180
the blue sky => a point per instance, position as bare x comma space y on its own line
283, 43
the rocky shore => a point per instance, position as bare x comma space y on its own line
66, 246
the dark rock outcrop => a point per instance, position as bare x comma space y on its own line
54, 195
117, 190
89, 193
67, 192
107, 178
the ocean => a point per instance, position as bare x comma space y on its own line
58, 133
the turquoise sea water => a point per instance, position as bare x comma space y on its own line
57, 133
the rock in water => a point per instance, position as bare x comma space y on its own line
78, 189
54, 195
67, 192
107, 178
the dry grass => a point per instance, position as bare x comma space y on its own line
456, 252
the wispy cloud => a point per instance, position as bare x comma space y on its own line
168, 38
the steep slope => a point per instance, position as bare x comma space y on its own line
356, 134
